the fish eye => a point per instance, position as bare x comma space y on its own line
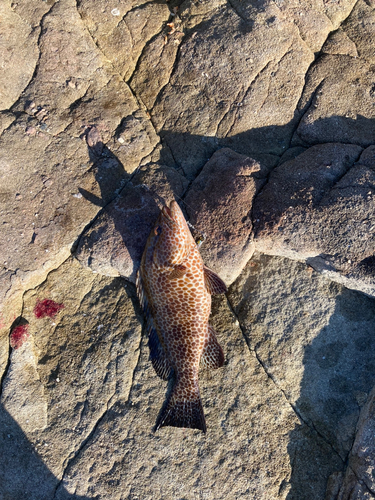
158, 230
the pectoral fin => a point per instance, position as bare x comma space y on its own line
214, 284
212, 355
178, 272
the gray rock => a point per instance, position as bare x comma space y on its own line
243, 409
358, 482
315, 340
72, 369
319, 207
219, 204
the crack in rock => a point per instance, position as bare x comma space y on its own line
269, 375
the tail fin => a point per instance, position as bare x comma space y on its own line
182, 411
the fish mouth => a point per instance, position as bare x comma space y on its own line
167, 213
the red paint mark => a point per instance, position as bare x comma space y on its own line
19, 335
48, 308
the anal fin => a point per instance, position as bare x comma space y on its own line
212, 356
214, 284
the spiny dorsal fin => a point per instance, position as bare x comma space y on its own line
178, 272
214, 284
212, 355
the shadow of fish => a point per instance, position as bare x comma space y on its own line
174, 288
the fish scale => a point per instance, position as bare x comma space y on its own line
175, 287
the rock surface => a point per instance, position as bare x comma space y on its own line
315, 340
65, 376
258, 117
359, 478
219, 205
320, 207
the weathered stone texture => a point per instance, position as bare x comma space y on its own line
67, 374
315, 340
219, 204
259, 119
182, 463
320, 207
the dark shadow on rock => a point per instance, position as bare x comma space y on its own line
129, 215
132, 214
23, 474
339, 372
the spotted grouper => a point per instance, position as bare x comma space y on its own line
175, 288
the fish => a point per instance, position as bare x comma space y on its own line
174, 288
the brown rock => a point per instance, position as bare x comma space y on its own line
60, 132
339, 43
337, 103
19, 55
155, 67
124, 29
232, 85
219, 204
363, 15
64, 378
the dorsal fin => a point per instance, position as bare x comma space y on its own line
212, 355
158, 356
214, 284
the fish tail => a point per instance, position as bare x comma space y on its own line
183, 409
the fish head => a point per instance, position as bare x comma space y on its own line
173, 235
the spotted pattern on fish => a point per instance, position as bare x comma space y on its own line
174, 288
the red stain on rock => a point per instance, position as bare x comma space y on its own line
19, 335
48, 308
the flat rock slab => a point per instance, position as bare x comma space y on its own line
320, 207
304, 365
231, 84
243, 409
74, 128
219, 204
315, 340
68, 371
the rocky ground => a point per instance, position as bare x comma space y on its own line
259, 118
